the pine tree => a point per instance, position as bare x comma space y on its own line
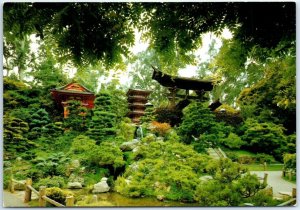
103, 123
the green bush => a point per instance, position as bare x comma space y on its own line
245, 159
233, 141
126, 129
234, 157
104, 120
167, 169
58, 194
266, 137
289, 162
261, 158
55, 181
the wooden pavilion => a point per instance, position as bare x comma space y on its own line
73, 91
174, 84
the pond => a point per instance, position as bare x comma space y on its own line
116, 199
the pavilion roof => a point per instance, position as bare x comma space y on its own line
181, 82
73, 87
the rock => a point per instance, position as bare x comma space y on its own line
129, 145
18, 159
136, 149
160, 138
74, 178
104, 179
205, 178
101, 186
160, 197
74, 185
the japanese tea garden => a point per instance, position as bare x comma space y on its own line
141, 104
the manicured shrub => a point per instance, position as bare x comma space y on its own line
58, 194
103, 123
55, 181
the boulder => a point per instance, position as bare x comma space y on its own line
160, 197
129, 145
101, 186
74, 185
104, 179
205, 178
74, 178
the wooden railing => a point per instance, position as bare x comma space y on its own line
292, 201
43, 199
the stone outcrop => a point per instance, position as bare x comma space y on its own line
101, 186
129, 145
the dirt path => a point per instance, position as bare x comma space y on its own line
276, 182
12, 200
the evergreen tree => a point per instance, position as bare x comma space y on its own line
77, 119
103, 123
14, 135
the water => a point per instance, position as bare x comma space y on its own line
116, 199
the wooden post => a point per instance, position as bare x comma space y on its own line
283, 173
290, 175
42, 192
70, 200
294, 193
27, 197
11, 185
265, 166
265, 179
11, 182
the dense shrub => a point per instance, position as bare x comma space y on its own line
229, 115
58, 194
289, 161
197, 120
164, 169
55, 181
265, 138
126, 129
104, 120
78, 116
107, 154
233, 141
261, 158
168, 115
230, 186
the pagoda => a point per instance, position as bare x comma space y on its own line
137, 100
73, 91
